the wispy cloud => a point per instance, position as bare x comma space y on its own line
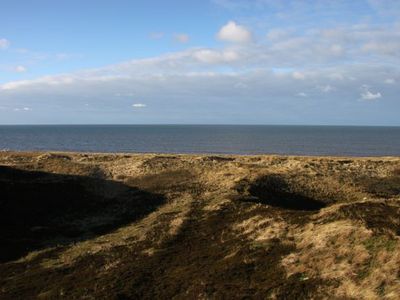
302, 94
214, 56
22, 109
181, 37
390, 81
139, 105
299, 75
326, 88
4, 43
20, 69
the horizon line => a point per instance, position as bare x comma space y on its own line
198, 124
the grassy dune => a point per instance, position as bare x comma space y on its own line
126, 226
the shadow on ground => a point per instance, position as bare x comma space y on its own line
276, 191
385, 187
39, 209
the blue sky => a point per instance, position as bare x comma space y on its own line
211, 62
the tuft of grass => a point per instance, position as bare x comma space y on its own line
303, 277
374, 245
377, 243
260, 245
366, 269
380, 290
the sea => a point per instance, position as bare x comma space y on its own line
207, 139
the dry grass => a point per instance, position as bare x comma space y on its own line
349, 247
261, 229
365, 266
396, 171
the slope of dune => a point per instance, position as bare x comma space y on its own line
148, 226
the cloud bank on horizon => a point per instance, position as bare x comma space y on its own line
267, 62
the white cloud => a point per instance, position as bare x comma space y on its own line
213, 91
45, 81
22, 109
298, 75
302, 94
336, 76
213, 56
139, 105
326, 88
4, 43
270, 73
241, 85
20, 69
390, 81
233, 78
181, 38
366, 94
232, 32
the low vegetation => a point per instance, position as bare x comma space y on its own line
126, 226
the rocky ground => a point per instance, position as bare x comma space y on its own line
128, 226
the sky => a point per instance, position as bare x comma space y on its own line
321, 62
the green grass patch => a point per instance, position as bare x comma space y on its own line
374, 245
377, 243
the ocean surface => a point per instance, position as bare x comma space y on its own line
218, 139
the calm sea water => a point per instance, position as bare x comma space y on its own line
232, 139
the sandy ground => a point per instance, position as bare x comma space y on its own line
149, 226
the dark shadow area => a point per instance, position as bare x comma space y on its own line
386, 187
275, 190
39, 209
382, 218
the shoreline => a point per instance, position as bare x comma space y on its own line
203, 154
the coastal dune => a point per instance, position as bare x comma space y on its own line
148, 226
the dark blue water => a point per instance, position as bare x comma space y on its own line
232, 139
